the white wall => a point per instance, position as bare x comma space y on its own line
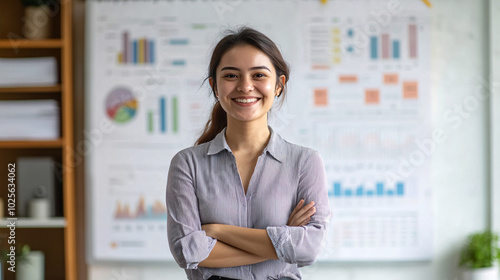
460, 165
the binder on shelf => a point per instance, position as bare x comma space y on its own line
28, 71
29, 120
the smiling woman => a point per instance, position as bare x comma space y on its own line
244, 203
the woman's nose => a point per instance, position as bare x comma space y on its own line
245, 85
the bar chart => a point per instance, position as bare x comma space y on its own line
379, 189
388, 46
155, 210
165, 117
136, 51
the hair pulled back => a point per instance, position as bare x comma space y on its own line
242, 36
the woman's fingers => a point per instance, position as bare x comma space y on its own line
300, 217
297, 208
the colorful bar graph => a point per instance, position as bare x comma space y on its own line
373, 47
140, 51
412, 40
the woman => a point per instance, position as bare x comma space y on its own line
230, 197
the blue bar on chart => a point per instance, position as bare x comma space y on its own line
395, 49
348, 192
337, 191
350, 32
380, 189
400, 189
373, 47
163, 115
359, 191
151, 52
390, 192
179, 41
135, 52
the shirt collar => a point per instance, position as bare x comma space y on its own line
274, 147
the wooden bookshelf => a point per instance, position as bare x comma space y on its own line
56, 236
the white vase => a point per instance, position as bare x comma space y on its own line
37, 22
32, 267
486, 273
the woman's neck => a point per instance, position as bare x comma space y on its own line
248, 137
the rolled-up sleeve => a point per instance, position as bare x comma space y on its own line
188, 243
302, 245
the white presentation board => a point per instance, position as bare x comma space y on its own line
358, 93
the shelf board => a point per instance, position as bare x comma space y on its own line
54, 88
32, 144
30, 44
23, 222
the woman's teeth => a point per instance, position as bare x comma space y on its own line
250, 100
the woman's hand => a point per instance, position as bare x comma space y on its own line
301, 215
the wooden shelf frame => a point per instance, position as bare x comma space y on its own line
27, 144
54, 88
31, 44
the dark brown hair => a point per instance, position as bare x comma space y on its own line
243, 36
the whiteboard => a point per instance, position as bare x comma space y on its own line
358, 93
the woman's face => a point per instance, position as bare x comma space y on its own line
246, 84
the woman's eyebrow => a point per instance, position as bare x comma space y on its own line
237, 69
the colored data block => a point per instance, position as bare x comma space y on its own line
348, 192
380, 189
395, 49
410, 90
321, 97
359, 191
372, 96
373, 47
400, 189
175, 115
163, 115
337, 190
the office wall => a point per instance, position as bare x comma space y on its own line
460, 165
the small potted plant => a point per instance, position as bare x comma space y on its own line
37, 19
29, 265
480, 257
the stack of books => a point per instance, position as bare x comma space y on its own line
28, 71
29, 119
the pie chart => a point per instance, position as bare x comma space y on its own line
121, 105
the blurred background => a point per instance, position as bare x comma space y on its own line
400, 97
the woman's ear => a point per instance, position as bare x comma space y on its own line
212, 86
280, 85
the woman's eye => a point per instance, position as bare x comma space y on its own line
260, 75
230, 76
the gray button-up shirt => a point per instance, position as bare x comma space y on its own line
204, 187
